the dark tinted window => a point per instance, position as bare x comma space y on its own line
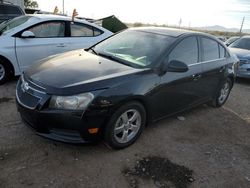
97, 31
82, 30
243, 43
186, 51
6, 9
210, 49
49, 29
222, 51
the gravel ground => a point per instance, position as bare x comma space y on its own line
212, 145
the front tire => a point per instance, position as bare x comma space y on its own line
125, 126
223, 94
4, 72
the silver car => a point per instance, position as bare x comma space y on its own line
241, 48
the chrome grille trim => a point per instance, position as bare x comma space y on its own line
19, 101
31, 88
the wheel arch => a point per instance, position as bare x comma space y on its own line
9, 64
139, 99
232, 78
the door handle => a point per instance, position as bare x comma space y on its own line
196, 77
61, 45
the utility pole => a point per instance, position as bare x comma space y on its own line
180, 21
242, 24
63, 6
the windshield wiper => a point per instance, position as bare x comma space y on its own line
92, 50
114, 58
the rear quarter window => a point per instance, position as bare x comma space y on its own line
223, 52
83, 30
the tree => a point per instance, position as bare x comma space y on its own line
30, 4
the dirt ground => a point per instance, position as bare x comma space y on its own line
212, 145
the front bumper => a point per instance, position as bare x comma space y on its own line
243, 73
243, 70
60, 125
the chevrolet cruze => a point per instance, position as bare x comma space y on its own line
112, 90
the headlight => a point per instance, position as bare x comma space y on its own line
75, 102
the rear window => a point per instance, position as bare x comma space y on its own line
6, 9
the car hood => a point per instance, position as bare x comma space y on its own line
241, 53
78, 71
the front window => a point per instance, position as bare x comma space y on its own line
243, 43
186, 51
12, 24
134, 48
49, 29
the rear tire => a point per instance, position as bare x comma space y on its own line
125, 125
5, 72
222, 94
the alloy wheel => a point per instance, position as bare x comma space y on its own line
127, 126
2, 72
224, 92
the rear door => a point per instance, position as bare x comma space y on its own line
181, 90
84, 35
49, 40
213, 65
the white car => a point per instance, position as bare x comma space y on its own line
27, 39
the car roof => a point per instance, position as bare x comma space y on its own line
52, 16
173, 32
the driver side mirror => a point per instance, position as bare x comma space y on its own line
28, 34
177, 66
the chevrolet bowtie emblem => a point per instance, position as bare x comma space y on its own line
25, 86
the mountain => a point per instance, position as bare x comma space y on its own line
221, 28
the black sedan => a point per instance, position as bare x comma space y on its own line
114, 89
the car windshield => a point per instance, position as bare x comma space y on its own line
243, 43
231, 40
134, 48
9, 25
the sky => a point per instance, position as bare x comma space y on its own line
192, 13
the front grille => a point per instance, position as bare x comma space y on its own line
244, 61
27, 95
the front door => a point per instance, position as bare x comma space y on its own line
178, 91
49, 40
